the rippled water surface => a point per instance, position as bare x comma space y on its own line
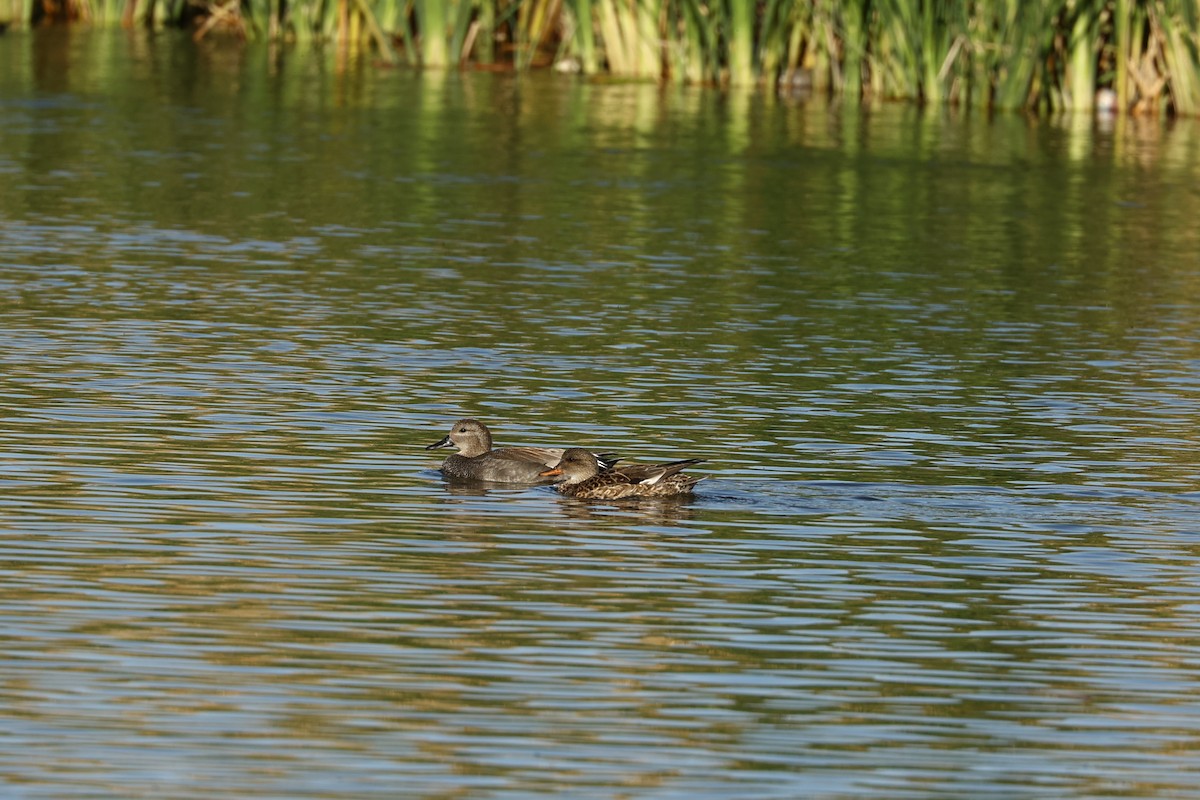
945, 371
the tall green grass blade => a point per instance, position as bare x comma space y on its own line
854, 42
612, 24
586, 37
629, 30
382, 43
411, 53
799, 30
463, 13
821, 57
1123, 26
649, 38
432, 22
741, 41
1017, 53
534, 21
692, 52
1180, 56
1083, 48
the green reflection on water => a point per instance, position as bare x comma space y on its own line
912, 267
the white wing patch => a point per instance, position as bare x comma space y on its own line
654, 480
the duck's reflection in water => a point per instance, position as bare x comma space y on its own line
645, 511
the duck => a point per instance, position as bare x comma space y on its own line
581, 475
477, 461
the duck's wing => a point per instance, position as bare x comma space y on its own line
612, 483
607, 460
545, 456
651, 474
549, 456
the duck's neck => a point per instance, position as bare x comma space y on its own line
475, 447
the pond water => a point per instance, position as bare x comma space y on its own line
945, 370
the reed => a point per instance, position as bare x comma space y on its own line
630, 36
1141, 55
740, 29
1177, 28
692, 43
432, 23
582, 28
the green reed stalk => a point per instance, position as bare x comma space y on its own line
169, 12
485, 33
383, 44
1123, 26
139, 13
1179, 48
629, 29
323, 19
613, 22
463, 18
693, 49
740, 22
649, 38
798, 28
1083, 47
533, 23
256, 16
822, 56
933, 48
584, 35
1012, 42
393, 16
854, 43
389, 13
897, 50
474, 31
773, 39
431, 19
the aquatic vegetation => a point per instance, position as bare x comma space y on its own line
1137, 55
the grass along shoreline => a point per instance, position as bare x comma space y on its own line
1136, 56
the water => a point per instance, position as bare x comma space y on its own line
945, 369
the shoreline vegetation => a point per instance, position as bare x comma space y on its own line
1110, 56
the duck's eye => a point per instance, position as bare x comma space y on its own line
462, 430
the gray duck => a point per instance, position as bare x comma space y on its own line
477, 461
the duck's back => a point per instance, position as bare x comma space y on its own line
636, 480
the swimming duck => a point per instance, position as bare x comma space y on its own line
476, 460
581, 475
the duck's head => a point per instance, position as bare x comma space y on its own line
575, 466
470, 436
